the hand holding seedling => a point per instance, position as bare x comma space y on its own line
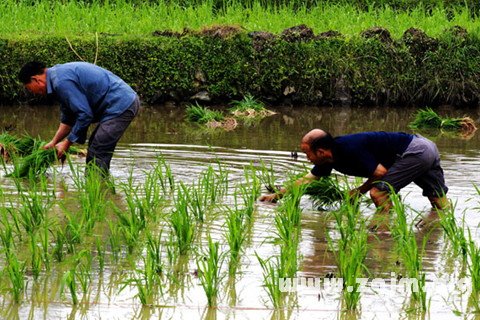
270, 198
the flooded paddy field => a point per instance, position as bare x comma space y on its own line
105, 271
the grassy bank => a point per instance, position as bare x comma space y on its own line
138, 18
173, 51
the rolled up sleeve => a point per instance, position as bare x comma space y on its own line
76, 109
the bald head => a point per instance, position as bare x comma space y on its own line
313, 135
318, 139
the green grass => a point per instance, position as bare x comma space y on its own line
121, 17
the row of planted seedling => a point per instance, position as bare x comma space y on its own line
157, 221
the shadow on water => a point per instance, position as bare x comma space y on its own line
189, 149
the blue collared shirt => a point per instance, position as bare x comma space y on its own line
359, 154
87, 94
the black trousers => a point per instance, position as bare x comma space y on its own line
104, 138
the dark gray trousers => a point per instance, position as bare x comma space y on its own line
420, 163
104, 138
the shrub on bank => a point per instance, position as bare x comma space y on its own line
296, 67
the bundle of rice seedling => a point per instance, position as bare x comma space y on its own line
202, 115
12, 146
429, 119
426, 119
34, 164
325, 191
249, 107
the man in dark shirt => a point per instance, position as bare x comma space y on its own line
389, 161
88, 94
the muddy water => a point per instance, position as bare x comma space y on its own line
189, 149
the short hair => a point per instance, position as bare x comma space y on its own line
325, 141
29, 70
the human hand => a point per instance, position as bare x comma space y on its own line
354, 194
49, 145
62, 148
269, 198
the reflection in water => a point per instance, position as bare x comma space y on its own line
190, 149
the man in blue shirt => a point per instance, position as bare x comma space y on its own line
389, 161
88, 94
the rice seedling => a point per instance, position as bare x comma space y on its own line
36, 256
146, 281
45, 244
287, 223
213, 184
60, 239
164, 176
15, 270
271, 280
182, 222
74, 230
69, 281
452, 231
429, 119
209, 264
83, 272
6, 233
202, 115
267, 177
78, 274
409, 250
172, 250
154, 252
91, 194
131, 226
235, 236
114, 240
473, 262
197, 201
100, 253
351, 248
35, 204
250, 191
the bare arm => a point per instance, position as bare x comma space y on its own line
306, 179
62, 131
379, 172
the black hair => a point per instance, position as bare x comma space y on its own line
323, 142
29, 70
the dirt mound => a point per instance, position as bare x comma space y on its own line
378, 33
419, 42
221, 31
297, 33
261, 38
458, 32
330, 34
169, 33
